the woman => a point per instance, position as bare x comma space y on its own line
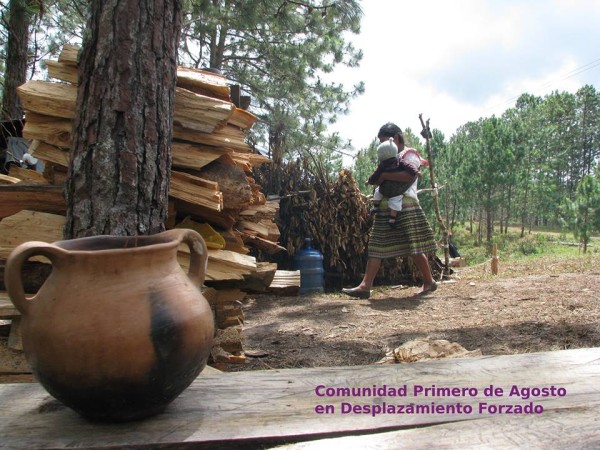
411, 237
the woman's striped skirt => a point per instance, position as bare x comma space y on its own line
412, 235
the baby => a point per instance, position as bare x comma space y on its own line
387, 154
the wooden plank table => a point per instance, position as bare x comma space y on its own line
259, 409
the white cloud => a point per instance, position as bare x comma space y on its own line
458, 61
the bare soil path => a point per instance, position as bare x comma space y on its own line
528, 307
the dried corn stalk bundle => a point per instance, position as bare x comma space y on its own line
340, 222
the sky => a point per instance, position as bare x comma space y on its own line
457, 61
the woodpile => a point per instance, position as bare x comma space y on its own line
212, 186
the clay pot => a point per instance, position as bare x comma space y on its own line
118, 330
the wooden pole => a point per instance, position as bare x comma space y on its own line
426, 133
495, 259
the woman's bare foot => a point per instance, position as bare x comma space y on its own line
357, 292
427, 289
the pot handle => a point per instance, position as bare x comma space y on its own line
14, 264
198, 254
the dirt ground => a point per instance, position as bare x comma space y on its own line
530, 307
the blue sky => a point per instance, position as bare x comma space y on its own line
457, 61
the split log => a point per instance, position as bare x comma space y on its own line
234, 242
268, 210
192, 111
27, 226
243, 264
37, 197
228, 137
6, 179
226, 305
227, 297
171, 215
261, 278
285, 282
55, 174
258, 228
223, 265
232, 183
55, 131
55, 135
242, 119
204, 83
229, 339
185, 155
49, 153
51, 99
194, 80
265, 229
69, 54
199, 112
194, 156
258, 197
212, 180
229, 316
220, 358
63, 71
232, 322
210, 294
249, 160
27, 175
195, 190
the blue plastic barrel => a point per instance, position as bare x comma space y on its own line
309, 262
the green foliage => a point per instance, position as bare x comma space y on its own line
364, 165
520, 167
582, 214
523, 167
511, 246
474, 255
62, 23
279, 51
529, 245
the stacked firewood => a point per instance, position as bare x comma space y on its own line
212, 187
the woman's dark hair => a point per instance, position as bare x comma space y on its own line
390, 130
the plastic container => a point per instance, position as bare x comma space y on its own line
309, 262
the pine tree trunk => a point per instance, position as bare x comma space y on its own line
121, 153
16, 59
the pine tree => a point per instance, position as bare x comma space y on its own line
120, 157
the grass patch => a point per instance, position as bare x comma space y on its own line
512, 247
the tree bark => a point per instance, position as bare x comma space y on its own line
16, 59
121, 153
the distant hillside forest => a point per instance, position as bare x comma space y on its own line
536, 165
